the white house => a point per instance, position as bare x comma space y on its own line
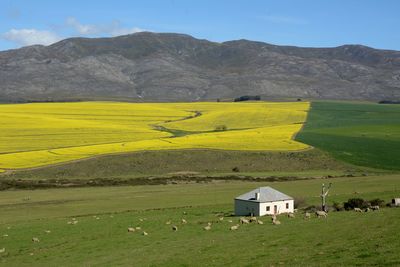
263, 201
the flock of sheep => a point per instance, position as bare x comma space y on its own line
208, 226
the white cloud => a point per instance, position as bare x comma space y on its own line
284, 20
111, 29
25, 37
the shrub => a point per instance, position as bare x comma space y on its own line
337, 206
377, 202
221, 128
235, 169
299, 202
355, 203
311, 208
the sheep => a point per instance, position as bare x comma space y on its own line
321, 213
74, 222
207, 228
35, 240
209, 224
168, 222
234, 227
290, 215
276, 222
47, 231
253, 219
131, 229
221, 219
375, 207
307, 215
2, 250
145, 233
230, 221
244, 221
260, 222
5, 235
357, 210
174, 228
184, 221
273, 217
74, 219
138, 228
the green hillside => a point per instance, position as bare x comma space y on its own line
364, 134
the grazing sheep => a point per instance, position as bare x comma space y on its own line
244, 221
47, 231
97, 218
209, 224
35, 240
307, 215
276, 222
168, 222
73, 219
295, 210
174, 228
235, 227
375, 208
184, 221
141, 219
260, 222
74, 222
207, 228
138, 228
321, 213
145, 233
290, 215
230, 221
131, 229
273, 217
2, 250
253, 219
357, 210
5, 235
221, 219
69, 222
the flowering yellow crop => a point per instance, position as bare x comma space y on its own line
33, 135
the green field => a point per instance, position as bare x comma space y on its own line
345, 238
363, 134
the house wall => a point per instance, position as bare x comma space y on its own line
246, 208
281, 206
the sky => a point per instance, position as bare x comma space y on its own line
309, 23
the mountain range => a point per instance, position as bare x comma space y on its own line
149, 66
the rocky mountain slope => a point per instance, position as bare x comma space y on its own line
175, 67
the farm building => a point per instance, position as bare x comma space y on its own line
263, 201
396, 202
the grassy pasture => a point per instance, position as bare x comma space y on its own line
359, 133
345, 238
40, 134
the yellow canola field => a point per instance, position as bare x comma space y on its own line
39, 134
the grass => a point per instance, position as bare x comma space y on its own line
345, 238
363, 134
310, 163
41, 134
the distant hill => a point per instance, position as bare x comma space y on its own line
175, 67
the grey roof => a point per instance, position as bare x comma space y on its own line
267, 194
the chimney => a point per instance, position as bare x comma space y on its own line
257, 196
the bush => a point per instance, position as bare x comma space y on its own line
337, 206
311, 208
355, 203
299, 202
377, 202
220, 128
235, 169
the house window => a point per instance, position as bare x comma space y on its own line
287, 206
267, 208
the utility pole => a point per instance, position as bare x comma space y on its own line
324, 194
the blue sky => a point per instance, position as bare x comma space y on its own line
316, 23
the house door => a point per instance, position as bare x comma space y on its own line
275, 209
